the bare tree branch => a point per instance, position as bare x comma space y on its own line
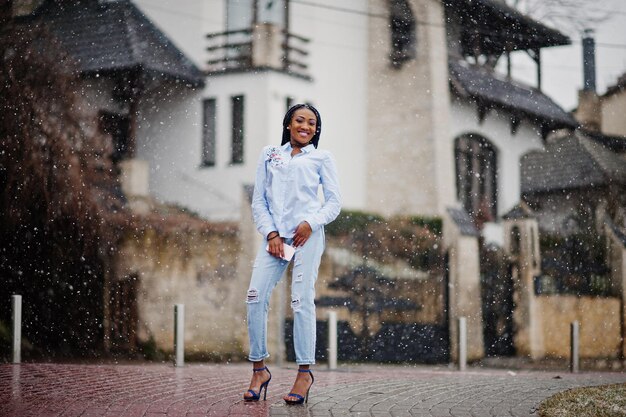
569, 16
58, 194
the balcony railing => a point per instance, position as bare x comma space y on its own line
262, 46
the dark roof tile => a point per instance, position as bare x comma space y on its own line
573, 161
520, 211
613, 142
483, 85
498, 27
112, 36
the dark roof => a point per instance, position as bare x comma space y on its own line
520, 211
618, 87
485, 86
463, 221
572, 161
613, 142
498, 27
114, 36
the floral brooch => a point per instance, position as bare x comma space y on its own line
275, 156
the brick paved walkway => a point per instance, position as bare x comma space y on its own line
215, 390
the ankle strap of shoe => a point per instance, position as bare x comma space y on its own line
259, 369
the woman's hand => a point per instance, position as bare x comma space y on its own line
303, 232
276, 247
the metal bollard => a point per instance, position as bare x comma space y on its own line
575, 337
179, 334
332, 340
462, 343
16, 304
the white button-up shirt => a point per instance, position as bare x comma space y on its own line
285, 190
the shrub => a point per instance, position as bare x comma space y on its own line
350, 221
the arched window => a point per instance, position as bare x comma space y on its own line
476, 177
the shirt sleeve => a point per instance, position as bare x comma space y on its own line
332, 195
260, 208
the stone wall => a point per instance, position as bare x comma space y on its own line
521, 239
617, 259
464, 288
613, 110
195, 268
599, 320
588, 112
465, 297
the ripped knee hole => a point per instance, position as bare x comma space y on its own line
296, 304
253, 296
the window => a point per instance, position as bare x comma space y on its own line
402, 33
289, 102
116, 125
239, 19
476, 181
239, 14
237, 133
208, 132
272, 11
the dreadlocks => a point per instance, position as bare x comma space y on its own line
287, 120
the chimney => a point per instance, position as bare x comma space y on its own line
589, 60
588, 112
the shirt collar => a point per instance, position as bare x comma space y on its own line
308, 148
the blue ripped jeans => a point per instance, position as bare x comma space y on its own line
267, 272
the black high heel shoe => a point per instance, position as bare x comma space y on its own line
257, 396
299, 398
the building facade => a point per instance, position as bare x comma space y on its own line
419, 121
400, 91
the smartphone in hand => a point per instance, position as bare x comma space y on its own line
288, 251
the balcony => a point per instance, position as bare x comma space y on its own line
263, 46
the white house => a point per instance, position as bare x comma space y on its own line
412, 109
407, 129
248, 88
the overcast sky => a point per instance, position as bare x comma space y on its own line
562, 66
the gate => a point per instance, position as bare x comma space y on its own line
497, 303
394, 343
393, 320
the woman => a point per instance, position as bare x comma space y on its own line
287, 211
